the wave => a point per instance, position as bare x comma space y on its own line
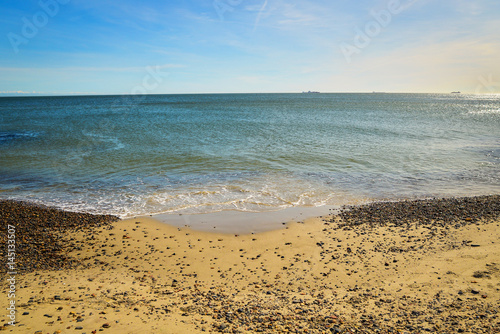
109, 143
485, 112
10, 136
140, 199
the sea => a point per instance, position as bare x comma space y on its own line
135, 155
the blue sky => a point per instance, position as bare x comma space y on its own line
229, 46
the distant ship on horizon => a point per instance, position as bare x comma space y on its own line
455, 92
311, 92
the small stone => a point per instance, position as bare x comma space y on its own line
106, 325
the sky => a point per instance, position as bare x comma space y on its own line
65, 47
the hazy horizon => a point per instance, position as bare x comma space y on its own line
27, 94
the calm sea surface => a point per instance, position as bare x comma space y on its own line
137, 155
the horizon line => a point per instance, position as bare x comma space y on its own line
239, 93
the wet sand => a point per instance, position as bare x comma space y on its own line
247, 222
403, 267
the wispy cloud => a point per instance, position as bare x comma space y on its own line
292, 15
89, 69
259, 15
20, 92
286, 15
261, 45
470, 7
253, 79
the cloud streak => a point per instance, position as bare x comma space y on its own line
259, 15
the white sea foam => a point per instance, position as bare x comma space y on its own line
108, 142
485, 112
6, 136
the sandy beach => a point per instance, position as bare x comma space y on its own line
402, 267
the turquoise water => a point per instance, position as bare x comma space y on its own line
137, 155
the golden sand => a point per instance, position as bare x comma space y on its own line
144, 276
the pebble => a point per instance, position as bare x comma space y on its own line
465, 210
41, 230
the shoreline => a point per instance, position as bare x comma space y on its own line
412, 266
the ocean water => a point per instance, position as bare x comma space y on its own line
140, 155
